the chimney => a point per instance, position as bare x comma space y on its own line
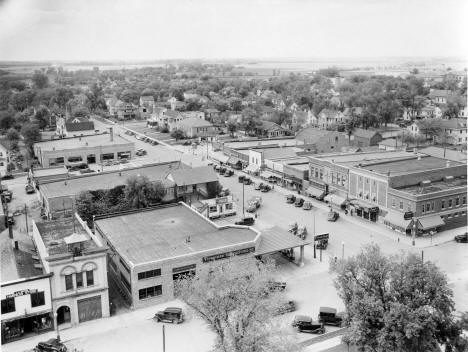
447, 164
111, 133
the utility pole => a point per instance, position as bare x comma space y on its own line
243, 201
26, 216
315, 256
164, 338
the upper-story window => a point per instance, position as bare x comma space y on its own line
450, 203
69, 282
89, 278
37, 299
8, 305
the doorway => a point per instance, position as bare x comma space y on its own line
63, 315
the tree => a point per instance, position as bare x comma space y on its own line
95, 97
178, 134
6, 120
10, 167
236, 299
130, 96
395, 303
31, 135
87, 205
80, 111
13, 135
42, 116
62, 96
40, 80
231, 127
140, 192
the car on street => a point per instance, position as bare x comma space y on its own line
290, 198
241, 179
332, 216
247, 181
153, 142
170, 315
299, 202
286, 307
228, 173
139, 137
51, 345
246, 221
307, 206
329, 316
304, 323
224, 192
8, 176
462, 238
222, 170
141, 152
265, 188
258, 186
29, 189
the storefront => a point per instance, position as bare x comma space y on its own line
218, 207
26, 308
429, 223
252, 169
364, 211
336, 200
316, 190
397, 222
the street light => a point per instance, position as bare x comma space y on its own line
413, 233
342, 250
57, 325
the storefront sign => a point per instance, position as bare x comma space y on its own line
221, 200
323, 236
21, 293
184, 268
211, 258
408, 215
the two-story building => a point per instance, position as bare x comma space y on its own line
196, 127
75, 127
77, 261
328, 118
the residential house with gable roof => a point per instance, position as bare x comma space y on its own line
328, 118
74, 127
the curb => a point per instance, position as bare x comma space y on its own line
323, 337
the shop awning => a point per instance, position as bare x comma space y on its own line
234, 160
315, 192
277, 239
268, 174
335, 199
430, 222
220, 157
252, 168
397, 220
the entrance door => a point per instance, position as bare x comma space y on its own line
91, 158
89, 309
63, 315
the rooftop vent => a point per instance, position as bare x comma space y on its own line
448, 178
425, 183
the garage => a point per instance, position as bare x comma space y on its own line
89, 309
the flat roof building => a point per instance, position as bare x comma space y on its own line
151, 248
88, 149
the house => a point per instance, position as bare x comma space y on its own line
74, 127
439, 96
167, 118
320, 141
111, 103
122, 110
463, 112
211, 114
270, 129
391, 144
172, 101
202, 180
299, 119
453, 131
195, 127
77, 261
364, 138
328, 118
146, 106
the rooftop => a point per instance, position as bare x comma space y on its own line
363, 133
425, 163
107, 180
279, 153
437, 186
194, 122
81, 142
311, 135
50, 171
162, 232
453, 155
262, 142
353, 158
54, 234
194, 176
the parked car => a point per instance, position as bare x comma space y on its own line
247, 181
29, 189
241, 179
265, 188
6, 195
304, 323
251, 208
8, 176
224, 192
258, 186
276, 286
228, 173
222, 170
86, 171
333, 216
139, 137
329, 316
462, 238
217, 168
290, 198
141, 152
286, 307
153, 142
307, 206
170, 315
299, 202
247, 221
51, 345
322, 244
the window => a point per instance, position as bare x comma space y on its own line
464, 200
148, 274
455, 214
79, 280
423, 208
125, 282
150, 292
89, 278
393, 203
463, 213
457, 201
37, 299
450, 203
8, 305
428, 206
228, 206
408, 206
401, 204
442, 204
124, 265
69, 282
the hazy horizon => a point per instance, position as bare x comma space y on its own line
139, 30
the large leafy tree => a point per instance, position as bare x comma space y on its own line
395, 303
31, 135
236, 301
40, 79
140, 192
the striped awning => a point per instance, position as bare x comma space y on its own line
252, 168
430, 222
315, 192
233, 160
397, 220
335, 199
220, 157
276, 239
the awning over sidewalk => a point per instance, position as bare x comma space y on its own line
430, 222
220, 157
315, 192
335, 199
277, 239
252, 168
268, 174
234, 160
397, 220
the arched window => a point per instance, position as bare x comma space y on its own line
68, 270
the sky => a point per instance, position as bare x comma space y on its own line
215, 29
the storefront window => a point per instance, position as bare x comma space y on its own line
8, 305
401, 205
150, 292
37, 299
228, 206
